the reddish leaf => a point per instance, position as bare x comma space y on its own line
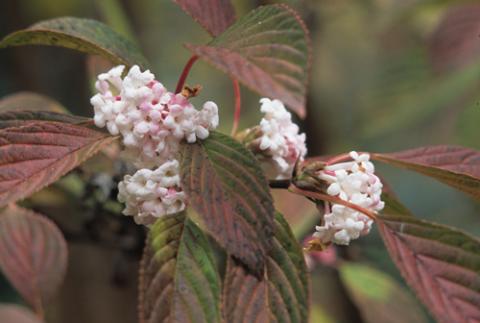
227, 188
213, 15
455, 41
440, 263
22, 118
281, 295
268, 50
33, 255
16, 314
452, 165
30, 101
245, 296
38, 153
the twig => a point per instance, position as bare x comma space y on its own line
281, 183
332, 199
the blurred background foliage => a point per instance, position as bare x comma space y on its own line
387, 75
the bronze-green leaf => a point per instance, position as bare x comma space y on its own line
38, 147
85, 35
281, 295
268, 50
453, 165
440, 263
179, 280
226, 187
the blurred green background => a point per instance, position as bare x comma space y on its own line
387, 75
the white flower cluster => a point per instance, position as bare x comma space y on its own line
356, 183
151, 120
152, 123
150, 194
280, 140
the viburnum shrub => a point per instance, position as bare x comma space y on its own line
217, 251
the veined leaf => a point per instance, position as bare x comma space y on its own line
30, 101
37, 153
281, 295
453, 165
84, 35
213, 15
441, 264
268, 50
10, 313
227, 188
179, 280
378, 297
11, 119
33, 255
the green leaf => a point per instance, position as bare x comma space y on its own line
268, 50
453, 165
179, 279
281, 295
378, 297
440, 263
36, 152
228, 190
33, 255
84, 35
30, 101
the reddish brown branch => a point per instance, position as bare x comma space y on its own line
332, 199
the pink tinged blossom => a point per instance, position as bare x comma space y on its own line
151, 194
151, 120
280, 144
354, 182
